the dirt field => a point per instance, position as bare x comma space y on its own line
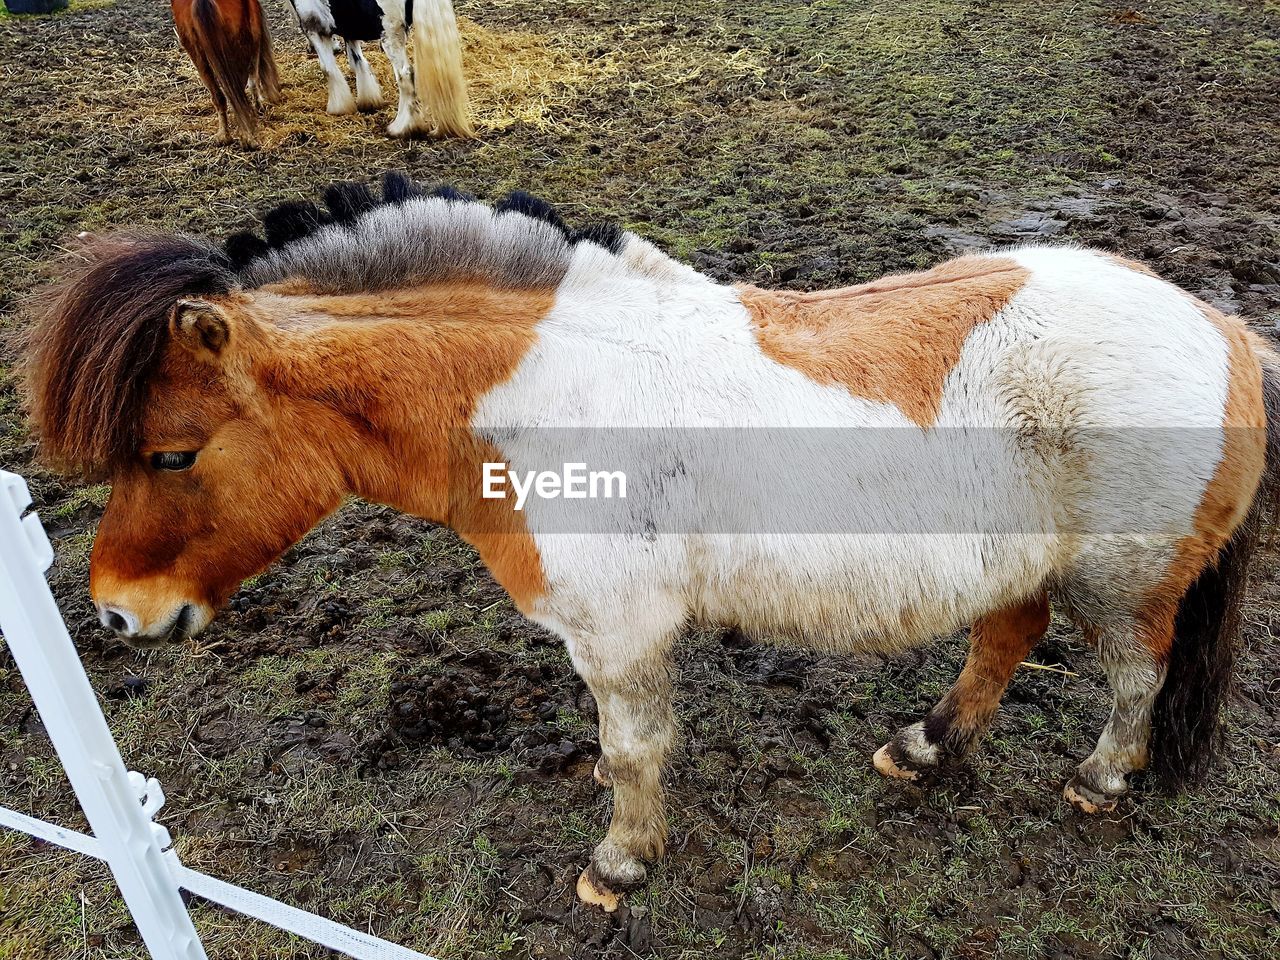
373, 732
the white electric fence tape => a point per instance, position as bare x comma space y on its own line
119, 805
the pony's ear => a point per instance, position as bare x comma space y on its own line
201, 327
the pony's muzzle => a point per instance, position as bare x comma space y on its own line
182, 622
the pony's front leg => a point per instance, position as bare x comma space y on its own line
340, 99
631, 682
408, 120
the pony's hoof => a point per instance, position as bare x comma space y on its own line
368, 104
601, 773
589, 891
407, 127
611, 873
340, 106
891, 763
1086, 799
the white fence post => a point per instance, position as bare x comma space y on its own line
131, 844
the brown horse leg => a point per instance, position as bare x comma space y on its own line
637, 729
211, 84
246, 113
997, 644
1133, 656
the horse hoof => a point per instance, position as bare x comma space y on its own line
368, 104
340, 106
594, 893
406, 128
895, 768
601, 773
1086, 799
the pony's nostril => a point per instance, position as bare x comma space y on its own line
118, 620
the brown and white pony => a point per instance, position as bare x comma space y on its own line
230, 45
868, 467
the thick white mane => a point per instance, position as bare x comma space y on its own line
421, 241
363, 243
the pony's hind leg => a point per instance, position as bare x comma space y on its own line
1133, 654
340, 100
368, 93
215, 92
997, 644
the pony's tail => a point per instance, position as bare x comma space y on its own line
1185, 730
268, 73
437, 67
232, 56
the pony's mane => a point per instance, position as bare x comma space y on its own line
99, 334
361, 242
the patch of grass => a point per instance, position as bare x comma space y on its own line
80, 499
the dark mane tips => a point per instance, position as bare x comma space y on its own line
446, 191
520, 202
243, 247
97, 338
397, 188
346, 201
292, 221
353, 242
607, 235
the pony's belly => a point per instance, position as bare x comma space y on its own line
864, 592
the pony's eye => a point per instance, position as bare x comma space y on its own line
173, 460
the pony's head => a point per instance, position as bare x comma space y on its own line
145, 369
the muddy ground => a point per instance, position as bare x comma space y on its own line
373, 732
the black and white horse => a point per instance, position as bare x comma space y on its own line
437, 85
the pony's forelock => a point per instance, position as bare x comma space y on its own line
97, 337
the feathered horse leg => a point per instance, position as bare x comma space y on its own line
408, 121
340, 99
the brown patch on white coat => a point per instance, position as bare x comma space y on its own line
894, 340
1227, 497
